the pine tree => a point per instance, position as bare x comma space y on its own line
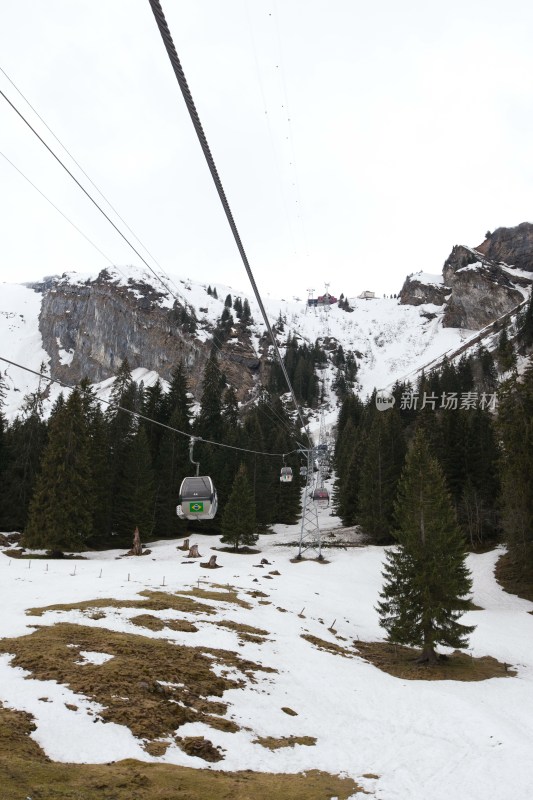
426, 578
515, 428
526, 329
134, 502
238, 518
505, 354
60, 515
228, 301
246, 313
380, 471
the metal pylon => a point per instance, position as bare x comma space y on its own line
310, 536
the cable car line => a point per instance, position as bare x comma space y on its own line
58, 140
187, 96
143, 417
56, 207
84, 190
109, 260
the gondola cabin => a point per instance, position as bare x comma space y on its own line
321, 498
197, 498
286, 475
303, 472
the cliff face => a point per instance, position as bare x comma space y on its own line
479, 284
415, 292
514, 246
89, 328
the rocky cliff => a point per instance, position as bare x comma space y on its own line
479, 284
89, 327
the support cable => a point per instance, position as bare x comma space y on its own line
84, 190
137, 415
189, 102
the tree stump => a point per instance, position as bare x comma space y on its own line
137, 549
211, 564
193, 552
185, 545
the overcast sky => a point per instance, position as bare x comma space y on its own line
357, 141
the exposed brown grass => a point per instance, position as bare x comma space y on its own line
284, 741
157, 624
226, 595
25, 771
401, 662
330, 647
514, 578
151, 601
133, 686
246, 633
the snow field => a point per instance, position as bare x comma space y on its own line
424, 739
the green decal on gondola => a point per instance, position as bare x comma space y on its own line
196, 507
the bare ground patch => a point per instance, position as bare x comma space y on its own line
401, 662
330, 647
152, 686
273, 743
151, 601
25, 771
158, 624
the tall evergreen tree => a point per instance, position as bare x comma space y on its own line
60, 515
515, 427
426, 578
380, 472
238, 518
134, 503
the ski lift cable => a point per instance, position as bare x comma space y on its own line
109, 260
84, 190
75, 161
56, 207
189, 102
143, 417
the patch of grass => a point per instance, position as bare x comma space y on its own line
157, 624
21, 553
152, 601
226, 595
151, 685
25, 771
514, 578
330, 647
289, 711
246, 633
200, 747
284, 741
401, 662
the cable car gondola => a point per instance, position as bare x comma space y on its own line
286, 475
321, 497
303, 472
198, 496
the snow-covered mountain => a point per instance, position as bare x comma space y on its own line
85, 325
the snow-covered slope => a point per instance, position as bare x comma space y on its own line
389, 340
397, 738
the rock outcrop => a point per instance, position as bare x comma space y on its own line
479, 284
416, 292
514, 246
89, 328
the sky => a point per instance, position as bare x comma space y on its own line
357, 142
